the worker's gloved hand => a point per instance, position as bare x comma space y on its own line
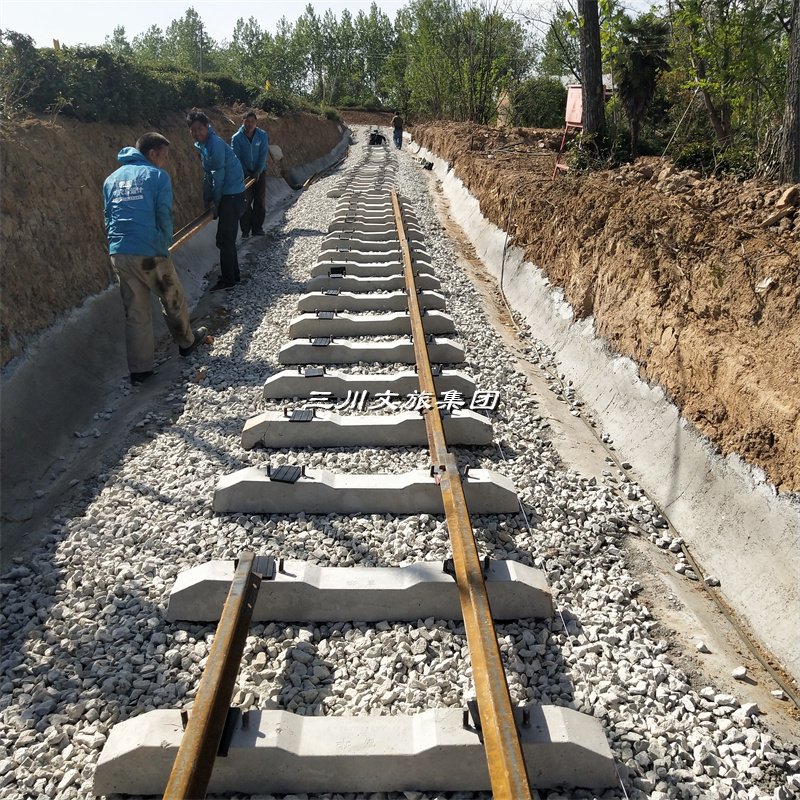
214, 209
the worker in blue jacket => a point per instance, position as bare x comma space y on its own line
223, 193
251, 145
138, 216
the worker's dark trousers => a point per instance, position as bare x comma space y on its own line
231, 208
255, 205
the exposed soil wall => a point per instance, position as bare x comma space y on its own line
673, 269
53, 240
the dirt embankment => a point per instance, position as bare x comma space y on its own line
372, 118
51, 175
677, 271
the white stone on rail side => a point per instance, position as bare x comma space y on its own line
329, 429
305, 592
252, 491
289, 383
393, 323
277, 752
368, 301
399, 351
353, 283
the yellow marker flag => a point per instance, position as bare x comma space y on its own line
266, 86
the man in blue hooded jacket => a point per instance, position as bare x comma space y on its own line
138, 217
251, 145
223, 193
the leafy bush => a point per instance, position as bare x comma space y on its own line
331, 113
539, 103
739, 160
94, 84
276, 102
232, 90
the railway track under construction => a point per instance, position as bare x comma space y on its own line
371, 360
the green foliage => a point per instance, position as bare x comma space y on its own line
95, 85
561, 54
639, 56
735, 53
539, 102
584, 154
461, 56
331, 113
232, 90
709, 159
20, 72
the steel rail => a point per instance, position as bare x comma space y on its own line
507, 771
194, 763
198, 223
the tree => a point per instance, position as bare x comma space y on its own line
639, 56
285, 59
374, 44
461, 55
245, 55
308, 30
561, 51
539, 102
733, 52
187, 44
594, 119
790, 144
151, 45
118, 42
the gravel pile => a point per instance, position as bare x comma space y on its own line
85, 644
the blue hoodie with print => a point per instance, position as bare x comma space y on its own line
253, 155
138, 207
222, 169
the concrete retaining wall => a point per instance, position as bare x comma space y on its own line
733, 521
77, 364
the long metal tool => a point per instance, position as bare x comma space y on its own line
194, 762
504, 757
198, 223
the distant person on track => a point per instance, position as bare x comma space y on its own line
397, 127
251, 145
138, 216
223, 193
377, 138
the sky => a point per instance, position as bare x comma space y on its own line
75, 22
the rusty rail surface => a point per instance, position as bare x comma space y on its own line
194, 762
504, 757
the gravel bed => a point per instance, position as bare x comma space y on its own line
85, 644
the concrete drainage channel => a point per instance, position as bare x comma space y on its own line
746, 537
373, 237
